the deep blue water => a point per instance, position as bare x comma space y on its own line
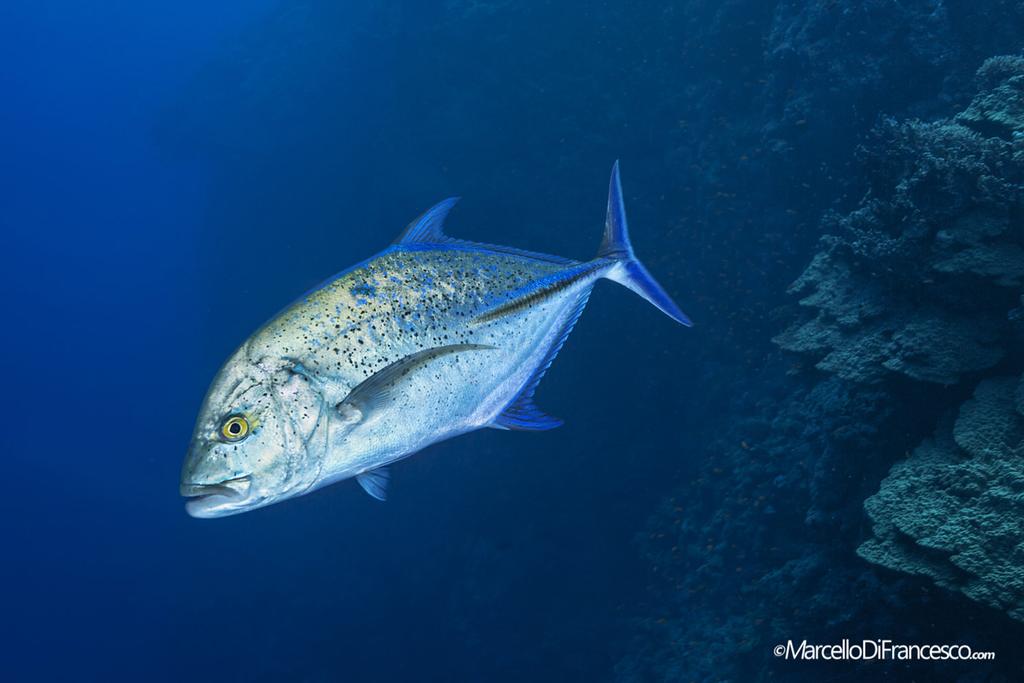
175, 173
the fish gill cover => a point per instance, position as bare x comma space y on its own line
831, 189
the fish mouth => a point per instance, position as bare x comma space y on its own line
216, 500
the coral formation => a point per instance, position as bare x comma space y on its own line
999, 110
919, 286
954, 510
921, 282
918, 280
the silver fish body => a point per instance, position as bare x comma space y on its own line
431, 338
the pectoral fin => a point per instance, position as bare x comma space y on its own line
375, 482
383, 386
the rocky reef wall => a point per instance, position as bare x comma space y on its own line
908, 317
922, 283
954, 510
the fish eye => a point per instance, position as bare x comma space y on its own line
235, 428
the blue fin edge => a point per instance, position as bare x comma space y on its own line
628, 271
526, 418
634, 276
427, 232
375, 482
429, 227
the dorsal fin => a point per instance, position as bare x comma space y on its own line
429, 227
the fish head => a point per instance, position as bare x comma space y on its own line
251, 443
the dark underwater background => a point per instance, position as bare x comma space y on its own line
833, 190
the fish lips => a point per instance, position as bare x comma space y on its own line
217, 500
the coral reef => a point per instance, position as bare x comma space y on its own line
999, 110
918, 281
954, 510
912, 298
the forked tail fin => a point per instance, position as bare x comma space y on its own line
628, 270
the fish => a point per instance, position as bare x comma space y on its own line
431, 338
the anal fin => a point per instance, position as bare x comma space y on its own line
375, 482
523, 415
